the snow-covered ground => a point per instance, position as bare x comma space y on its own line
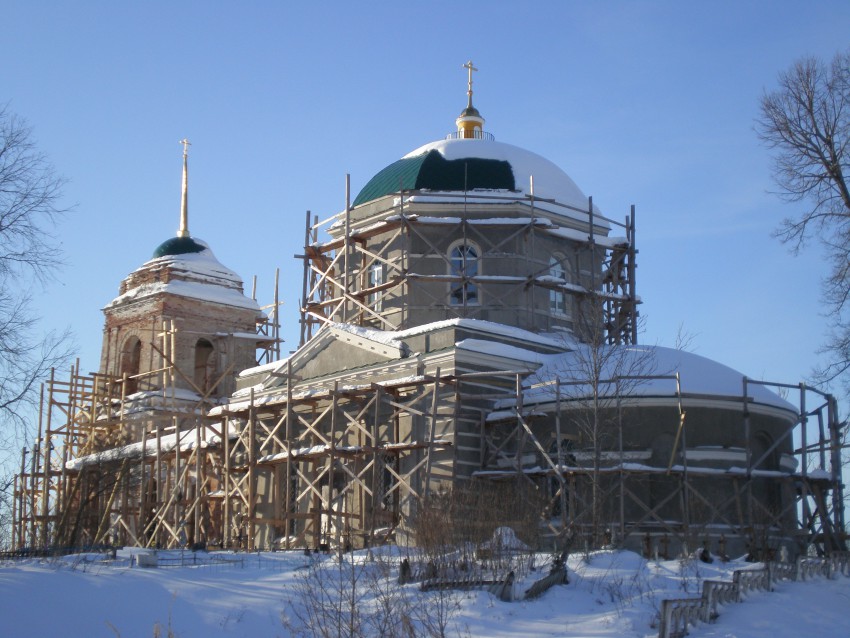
278, 594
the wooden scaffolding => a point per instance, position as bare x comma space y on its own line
812, 496
337, 465
129, 459
338, 284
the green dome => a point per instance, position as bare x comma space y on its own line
432, 171
178, 246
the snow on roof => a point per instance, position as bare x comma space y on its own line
186, 440
384, 337
239, 402
248, 336
201, 264
698, 375
576, 235
395, 339
505, 197
197, 275
483, 346
266, 367
195, 290
491, 327
641, 467
312, 450
550, 182
171, 392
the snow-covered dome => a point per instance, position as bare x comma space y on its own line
186, 267
698, 375
459, 164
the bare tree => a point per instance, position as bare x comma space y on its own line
596, 376
685, 339
330, 600
806, 121
30, 196
30, 204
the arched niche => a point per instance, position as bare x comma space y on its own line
130, 364
204, 371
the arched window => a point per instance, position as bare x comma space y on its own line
464, 263
204, 364
559, 272
375, 277
131, 359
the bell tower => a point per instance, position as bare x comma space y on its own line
184, 311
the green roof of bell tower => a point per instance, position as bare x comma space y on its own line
178, 246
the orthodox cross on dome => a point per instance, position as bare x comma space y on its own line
470, 122
184, 202
468, 66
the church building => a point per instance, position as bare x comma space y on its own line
468, 342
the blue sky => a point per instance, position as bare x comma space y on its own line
645, 103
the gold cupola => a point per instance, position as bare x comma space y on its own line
470, 124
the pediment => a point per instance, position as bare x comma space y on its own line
336, 348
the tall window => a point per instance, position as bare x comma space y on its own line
463, 262
204, 364
375, 277
558, 298
131, 359
385, 489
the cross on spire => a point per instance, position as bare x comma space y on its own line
468, 66
183, 231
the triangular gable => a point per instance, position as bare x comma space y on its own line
336, 347
371, 340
